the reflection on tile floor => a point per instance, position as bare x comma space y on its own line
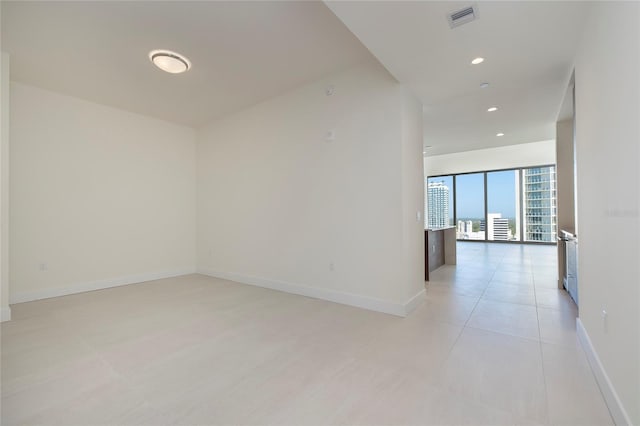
494, 343
526, 356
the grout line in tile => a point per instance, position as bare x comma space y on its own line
464, 326
544, 373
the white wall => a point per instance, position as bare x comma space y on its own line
279, 206
504, 157
99, 196
608, 184
565, 194
564, 175
413, 193
5, 310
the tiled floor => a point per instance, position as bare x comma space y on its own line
493, 344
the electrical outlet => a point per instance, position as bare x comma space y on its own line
43, 267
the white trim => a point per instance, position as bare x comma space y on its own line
5, 314
414, 302
359, 301
619, 414
30, 296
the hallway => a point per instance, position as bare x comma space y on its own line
506, 298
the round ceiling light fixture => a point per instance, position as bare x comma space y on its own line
484, 85
169, 61
499, 134
492, 109
477, 61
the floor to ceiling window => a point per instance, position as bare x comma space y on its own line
439, 195
470, 211
504, 205
539, 203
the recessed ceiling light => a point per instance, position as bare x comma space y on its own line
492, 109
169, 61
499, 134
484, 85
477, 61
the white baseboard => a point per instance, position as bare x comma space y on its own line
5, 314
619, 414
370, 303
414, 302
29, 296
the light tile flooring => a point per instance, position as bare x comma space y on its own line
493, 344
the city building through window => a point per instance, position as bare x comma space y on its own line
505, 205
440, 195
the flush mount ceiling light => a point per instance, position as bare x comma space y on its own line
484, 85
169, 61
477, 61
499, 134
492, 109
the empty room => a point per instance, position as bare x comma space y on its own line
320, 213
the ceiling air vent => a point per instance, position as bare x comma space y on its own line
462, 16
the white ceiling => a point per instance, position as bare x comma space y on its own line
528, 49
242, 52
246, 52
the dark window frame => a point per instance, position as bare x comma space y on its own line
520, 171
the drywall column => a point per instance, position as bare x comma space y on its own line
412, 198
564, 190
5, 310
608, 201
